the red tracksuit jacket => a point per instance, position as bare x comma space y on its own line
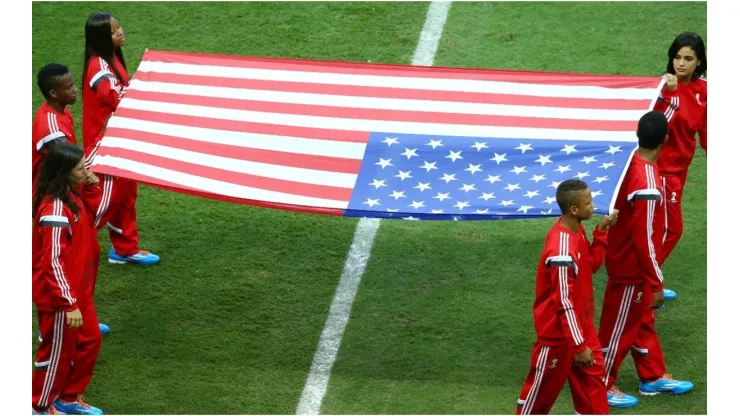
564, 301
64, 263
101, 93
49, 125
636, 240
686, 111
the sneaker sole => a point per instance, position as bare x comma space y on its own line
111, 261
655, 393
623, 406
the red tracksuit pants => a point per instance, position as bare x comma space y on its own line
551, 366
66, 357
117, 210
626, 316
673, 185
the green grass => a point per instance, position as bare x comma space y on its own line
442, 322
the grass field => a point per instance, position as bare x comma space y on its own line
442, 323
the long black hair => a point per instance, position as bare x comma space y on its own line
693, 41
98, 42
53, 180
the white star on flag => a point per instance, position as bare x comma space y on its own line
512, 187
481, 211
595, 194
544, 160
518, 169
391, 210
479, 146
435, 143
487, 196
507, 203
416, 205
467, 188
524, 208
403, 175
372, 202
429, 166
563, 169
600, 179
614, 149
473, 168
423, 186
588, 159
438, 211
532, 194
549, 200
582, 175
499, 158
442, 196
409, 153
606, 165
524, 147
447, 178
384, 162
377, 184
569, 148
461, 205
554, 184
391, 140
537, 178
397, 194
494, 179
454, 155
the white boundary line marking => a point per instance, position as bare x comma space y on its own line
359, 252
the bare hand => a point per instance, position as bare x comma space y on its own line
585, 358
658, 300
91, 179
74, 319
608, 220
671, 82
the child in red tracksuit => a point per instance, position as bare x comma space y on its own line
635, 283
65, 264
567, 346
684, 102
104, 81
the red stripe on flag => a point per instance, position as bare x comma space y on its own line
400, 93
252, 181
162, 184
389, 115
336, 67
244, 126
296, 160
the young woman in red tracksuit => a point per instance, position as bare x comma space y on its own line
104, 81
65, 264
684, 102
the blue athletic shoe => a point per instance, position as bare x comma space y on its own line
142, 257
76, 408
665, 384
668, 294
617, 399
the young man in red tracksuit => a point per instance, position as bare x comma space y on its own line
53, 122
104, 81
635, 283
65, 263
684, 102
567, 345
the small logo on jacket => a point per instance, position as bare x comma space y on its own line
639, 297
554, 363
673, 198
77, 218
698, 99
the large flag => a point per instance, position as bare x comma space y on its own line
388, 141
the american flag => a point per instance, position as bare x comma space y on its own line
369, 140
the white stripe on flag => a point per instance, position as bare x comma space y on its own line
470, 132
399, 104
288, 173
316, 147
214, 186
421, 83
